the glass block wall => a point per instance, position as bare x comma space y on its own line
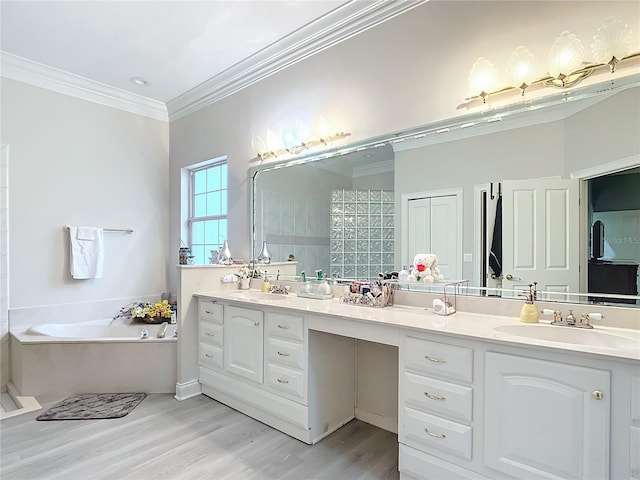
362, 233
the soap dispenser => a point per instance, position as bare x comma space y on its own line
529, 312
266, 286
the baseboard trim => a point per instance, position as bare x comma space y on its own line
189, 389
24, 404
385, 423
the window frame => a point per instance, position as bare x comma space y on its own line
192, 219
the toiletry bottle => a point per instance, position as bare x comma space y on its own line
266, 286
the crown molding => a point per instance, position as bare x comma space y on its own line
44, 76
340, 24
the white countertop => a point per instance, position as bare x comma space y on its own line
473, 325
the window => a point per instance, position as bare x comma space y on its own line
208, 210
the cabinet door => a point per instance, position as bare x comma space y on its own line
243, 342
545, 419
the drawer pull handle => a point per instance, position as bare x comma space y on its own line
209, 334
435, 360
283, 381
436, 435
208, 356
430, 396
207, 311
256, 323
283, 327
283, 354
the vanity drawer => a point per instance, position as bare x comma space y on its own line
209, 356
210, 310
285, 326
285, 380
285, 353
435, 396
432, 358
211, 333
424, 431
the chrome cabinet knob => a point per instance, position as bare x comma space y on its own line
597, 394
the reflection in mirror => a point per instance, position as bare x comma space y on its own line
583, 138
334, 215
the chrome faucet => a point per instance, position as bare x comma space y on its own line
570, 320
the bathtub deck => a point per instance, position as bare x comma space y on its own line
196, 438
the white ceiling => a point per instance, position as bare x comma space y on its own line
178, 47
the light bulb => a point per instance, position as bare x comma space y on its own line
521, 68
612, 42
566, 55
273, 142
289, 138
258, 145
321, 127
482, 77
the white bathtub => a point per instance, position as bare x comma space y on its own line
93, 357
98, 330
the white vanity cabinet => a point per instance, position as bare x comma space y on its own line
270, 367
243, 342
468, 407
484, 410
546, 419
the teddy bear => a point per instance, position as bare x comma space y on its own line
425, 269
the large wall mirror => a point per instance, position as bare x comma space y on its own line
362, 208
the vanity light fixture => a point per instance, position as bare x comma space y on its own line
611, 45
294, 141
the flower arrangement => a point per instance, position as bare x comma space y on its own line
161, 309
244, 272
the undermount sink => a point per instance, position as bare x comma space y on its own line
575, 335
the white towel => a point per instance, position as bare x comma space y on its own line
86, 252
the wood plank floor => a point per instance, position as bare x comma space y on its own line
198, 438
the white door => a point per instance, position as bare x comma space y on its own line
243, 342
540, 235
433, 228
546, 420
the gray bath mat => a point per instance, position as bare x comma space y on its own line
90, 406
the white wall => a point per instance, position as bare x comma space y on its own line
76, 162
409, 71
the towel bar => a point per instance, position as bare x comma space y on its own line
125, 230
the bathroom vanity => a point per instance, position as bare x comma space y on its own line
479, 396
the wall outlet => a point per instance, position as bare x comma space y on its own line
468, 257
